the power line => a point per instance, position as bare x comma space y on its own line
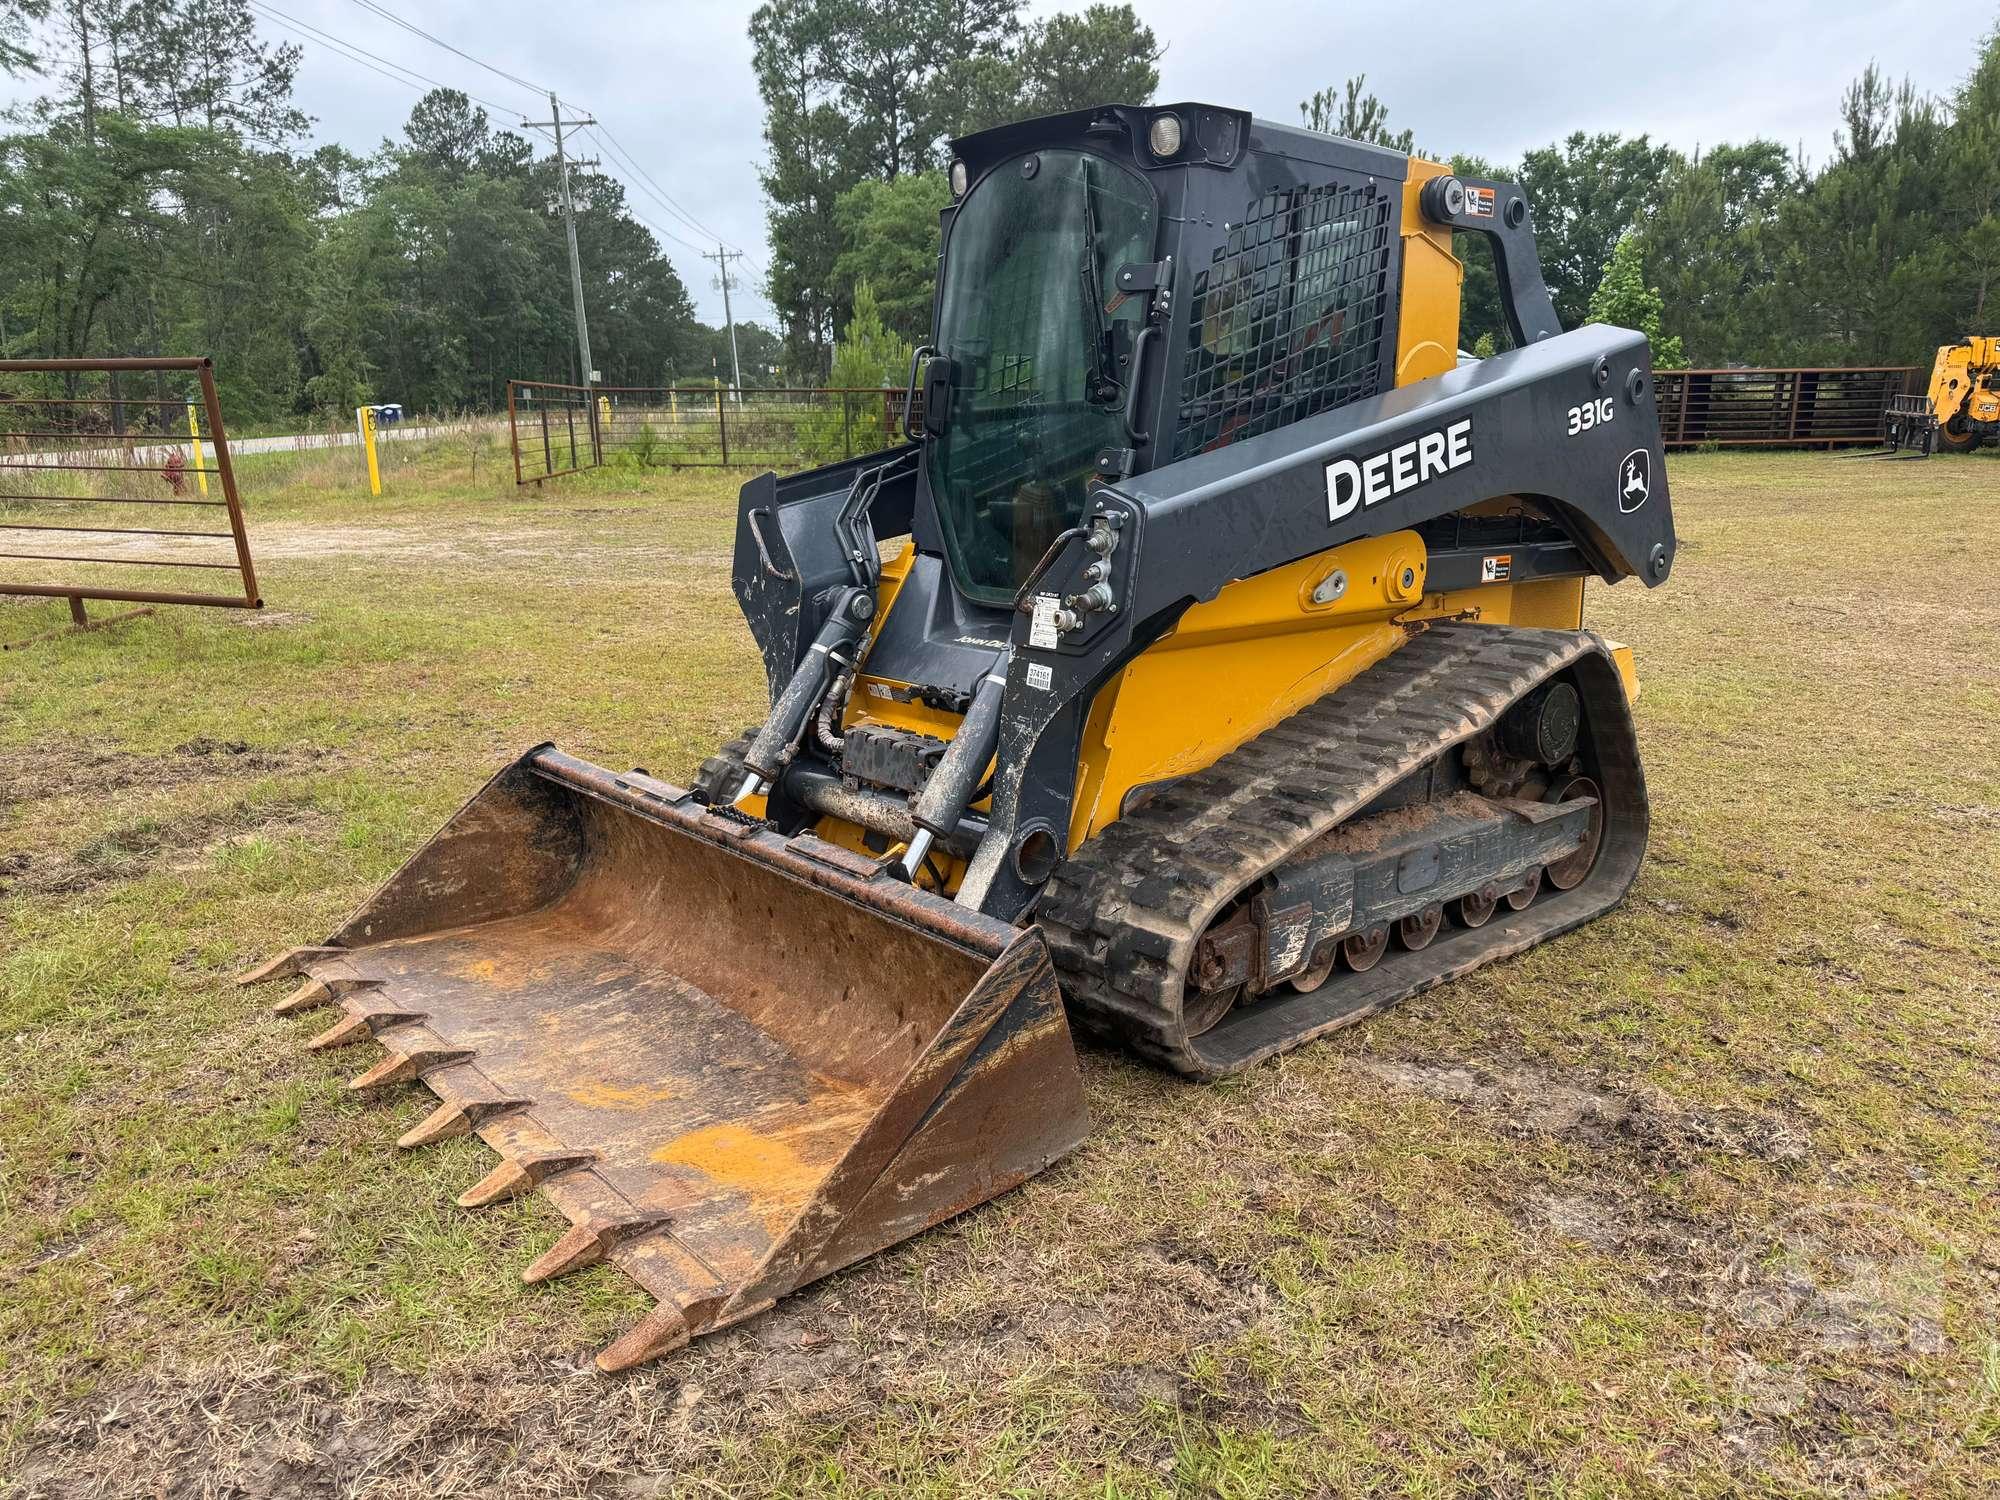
610, 142
396, 20
410, 78
613, 145
369, 60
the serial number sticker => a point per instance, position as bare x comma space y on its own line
1479, 202
1040, 675
1042, 632
1497, 568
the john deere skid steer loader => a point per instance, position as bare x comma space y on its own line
1225, 681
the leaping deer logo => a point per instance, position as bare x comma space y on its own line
1634, 480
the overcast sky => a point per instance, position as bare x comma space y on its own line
672, 81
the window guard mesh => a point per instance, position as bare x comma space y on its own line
1288, 319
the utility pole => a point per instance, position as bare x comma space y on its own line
722, 258
587, 376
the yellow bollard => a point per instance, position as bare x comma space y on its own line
194, 434
364, 423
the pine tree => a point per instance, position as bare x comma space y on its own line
1624, 300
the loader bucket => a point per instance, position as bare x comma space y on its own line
736, 1062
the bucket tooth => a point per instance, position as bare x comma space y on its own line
661, 1331
587, 1243
513, 1178
317, 992
449, 1120
401, 1067
291, 961
360, 1026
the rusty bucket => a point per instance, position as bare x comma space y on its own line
735, 1061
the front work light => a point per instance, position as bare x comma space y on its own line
958, 179
1165, 135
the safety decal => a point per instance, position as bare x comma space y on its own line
1479, 202
1497, 568
1042, 632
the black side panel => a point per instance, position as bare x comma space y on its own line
1498, 427
787, 554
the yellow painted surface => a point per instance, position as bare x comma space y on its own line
367, 416
1628, 669
194, 441
1959, 378
616, 1096
749, 1161
1427, 329
1258, 652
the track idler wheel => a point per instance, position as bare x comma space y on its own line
1363, 950
1526, 891
1475, 908
1416, 930
1568, 872
1203, 1010
1321, 971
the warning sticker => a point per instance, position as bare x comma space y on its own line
1479, 202
1040, 675
1042, 632
1497, 568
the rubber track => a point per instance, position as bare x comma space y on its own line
1122, 915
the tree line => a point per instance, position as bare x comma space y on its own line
159, 197
1733, 254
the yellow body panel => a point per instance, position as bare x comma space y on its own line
1963, 377
1427, 329
1264, 647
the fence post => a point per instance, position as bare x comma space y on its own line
194, 438
847, 423
548, 452
212, 405
513, 433
364, 423
722, 424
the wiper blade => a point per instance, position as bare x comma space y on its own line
1104, 386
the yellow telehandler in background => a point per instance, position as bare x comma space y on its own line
1960, 409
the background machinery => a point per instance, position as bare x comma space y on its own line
1960, 409
1210, 659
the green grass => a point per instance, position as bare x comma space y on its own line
1486, 1244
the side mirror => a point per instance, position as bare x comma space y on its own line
937, 394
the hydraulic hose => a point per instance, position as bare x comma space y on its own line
778, 740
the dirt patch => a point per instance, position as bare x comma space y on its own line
273, 619
64, 768
183, 845
1670, 1134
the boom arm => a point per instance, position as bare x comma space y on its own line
1160, 542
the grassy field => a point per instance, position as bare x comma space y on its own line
1698, 1200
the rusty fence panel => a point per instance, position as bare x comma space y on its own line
561, 429
1817, 408
111, 474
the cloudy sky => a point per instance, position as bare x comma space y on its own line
671, 79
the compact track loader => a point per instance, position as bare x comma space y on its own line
1223, 680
